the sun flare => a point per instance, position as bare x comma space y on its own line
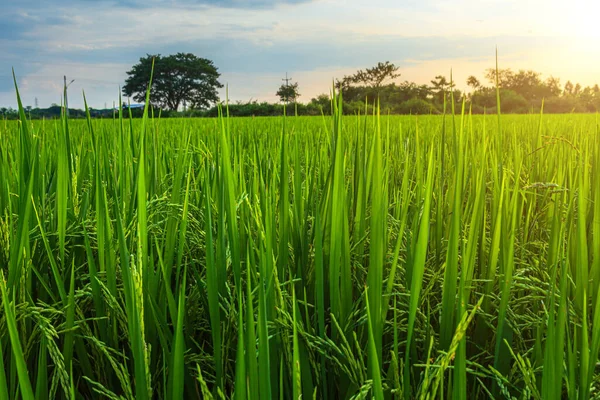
579, 19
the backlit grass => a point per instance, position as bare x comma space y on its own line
316, 257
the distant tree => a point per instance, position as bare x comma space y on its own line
587, 99
416, 107
513, 102
177, 78
343, 84
406, 91
440, 83
554, 86
288, 93
440, 86
568, 88
484, 98
375, 77
322, 102
473, 82
526, 83
505, 77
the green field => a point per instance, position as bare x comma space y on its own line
323, 257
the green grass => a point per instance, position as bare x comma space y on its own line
350, 257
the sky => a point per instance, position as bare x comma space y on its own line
255, 42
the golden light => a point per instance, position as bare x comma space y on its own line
579, 18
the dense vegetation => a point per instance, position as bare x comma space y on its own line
522, 92
180, 80
328, 257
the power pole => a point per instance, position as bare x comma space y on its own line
36, 103
66, 102
287, 80
287, 85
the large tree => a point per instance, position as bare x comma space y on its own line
369, 83
288, 92
375, 77
179, 78
473, 82
440, 87
526, 83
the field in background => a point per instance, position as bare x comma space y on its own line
335, 257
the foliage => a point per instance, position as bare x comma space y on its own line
522, 91
376, 75
415, 106
259, 258
288, 93
179, 79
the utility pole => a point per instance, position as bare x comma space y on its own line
66, 102
287, 80
36, 103
287, 85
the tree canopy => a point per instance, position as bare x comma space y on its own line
288, 92
521, 91
373, 77
185, 78
178, 79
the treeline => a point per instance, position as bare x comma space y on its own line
320, 105
55, 111
521, 92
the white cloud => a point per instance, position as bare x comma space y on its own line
97, 42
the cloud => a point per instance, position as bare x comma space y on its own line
253, 70
146, 4
252, 41
240, 4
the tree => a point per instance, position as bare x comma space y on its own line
342, 85
375, 77
505, 77
416, 107
473, 82
526, 83
440, 86
440, 83
322, 102
568, 88
554, 86
178, 78
288, 92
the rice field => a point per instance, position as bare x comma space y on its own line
334, 257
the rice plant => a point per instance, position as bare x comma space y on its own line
367, 256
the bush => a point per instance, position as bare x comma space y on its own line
415, 107
513, 103
564, 104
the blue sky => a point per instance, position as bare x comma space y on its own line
255, 42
